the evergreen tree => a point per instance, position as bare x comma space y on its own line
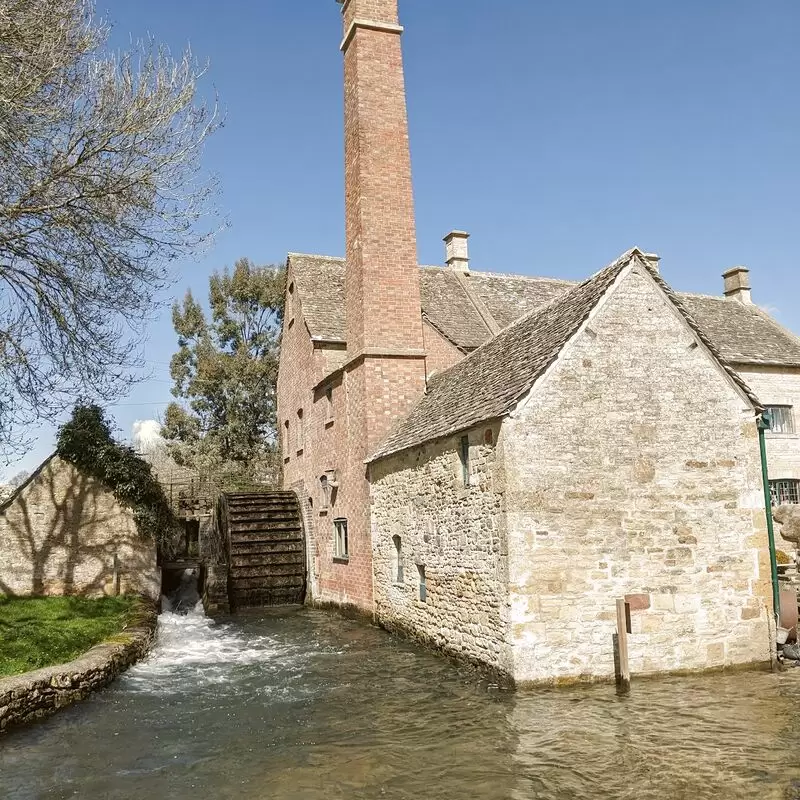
225, 373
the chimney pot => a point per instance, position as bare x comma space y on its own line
457, 250
654, 260
737, 284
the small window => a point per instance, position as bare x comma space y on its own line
781, 419
463, 455
340, 535
300, 432
328, 405
783, 492
398, 559
423, 586
286, 440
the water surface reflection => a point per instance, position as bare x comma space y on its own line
307, 705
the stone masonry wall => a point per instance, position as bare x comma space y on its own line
457, 533
65, 533
633, 471
39, 694
779, 386
776, 386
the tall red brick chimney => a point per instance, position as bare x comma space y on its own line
383, 312
384, 372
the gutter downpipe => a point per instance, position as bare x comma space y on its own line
763, 424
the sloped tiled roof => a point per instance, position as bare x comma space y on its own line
319, 283
490, 381
743, 334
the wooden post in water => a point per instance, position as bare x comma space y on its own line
621, 662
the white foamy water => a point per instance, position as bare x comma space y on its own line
193, 650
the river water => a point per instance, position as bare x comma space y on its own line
303, 705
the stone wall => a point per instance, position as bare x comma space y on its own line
775, 386
779, 386
633, 470
457, 533
64, 533
39, 694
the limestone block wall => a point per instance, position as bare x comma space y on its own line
457, 534
633, 470
776, 386
65, 533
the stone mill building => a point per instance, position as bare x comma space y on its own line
487, 461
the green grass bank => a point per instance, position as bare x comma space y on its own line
40, 631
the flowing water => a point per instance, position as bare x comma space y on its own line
303, 705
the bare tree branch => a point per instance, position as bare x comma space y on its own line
101, 190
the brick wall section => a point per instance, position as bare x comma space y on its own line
439, 353
60, 535
458, 533
633, 469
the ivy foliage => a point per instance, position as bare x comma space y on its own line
87, 442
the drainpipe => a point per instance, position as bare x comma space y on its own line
764, 424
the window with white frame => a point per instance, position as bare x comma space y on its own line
781, 419
340, 545
784, 491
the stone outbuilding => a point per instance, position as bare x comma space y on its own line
564, 465
64, 533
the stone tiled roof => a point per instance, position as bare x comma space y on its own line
743, 334
319, 283
490, 381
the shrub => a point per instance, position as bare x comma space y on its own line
87, 442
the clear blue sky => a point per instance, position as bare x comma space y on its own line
558, 133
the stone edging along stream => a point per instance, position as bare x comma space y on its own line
41, 693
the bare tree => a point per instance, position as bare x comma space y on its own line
100, 189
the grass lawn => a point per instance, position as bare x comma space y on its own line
39, 631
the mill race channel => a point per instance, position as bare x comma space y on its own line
303, 704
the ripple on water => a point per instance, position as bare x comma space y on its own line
302, 705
